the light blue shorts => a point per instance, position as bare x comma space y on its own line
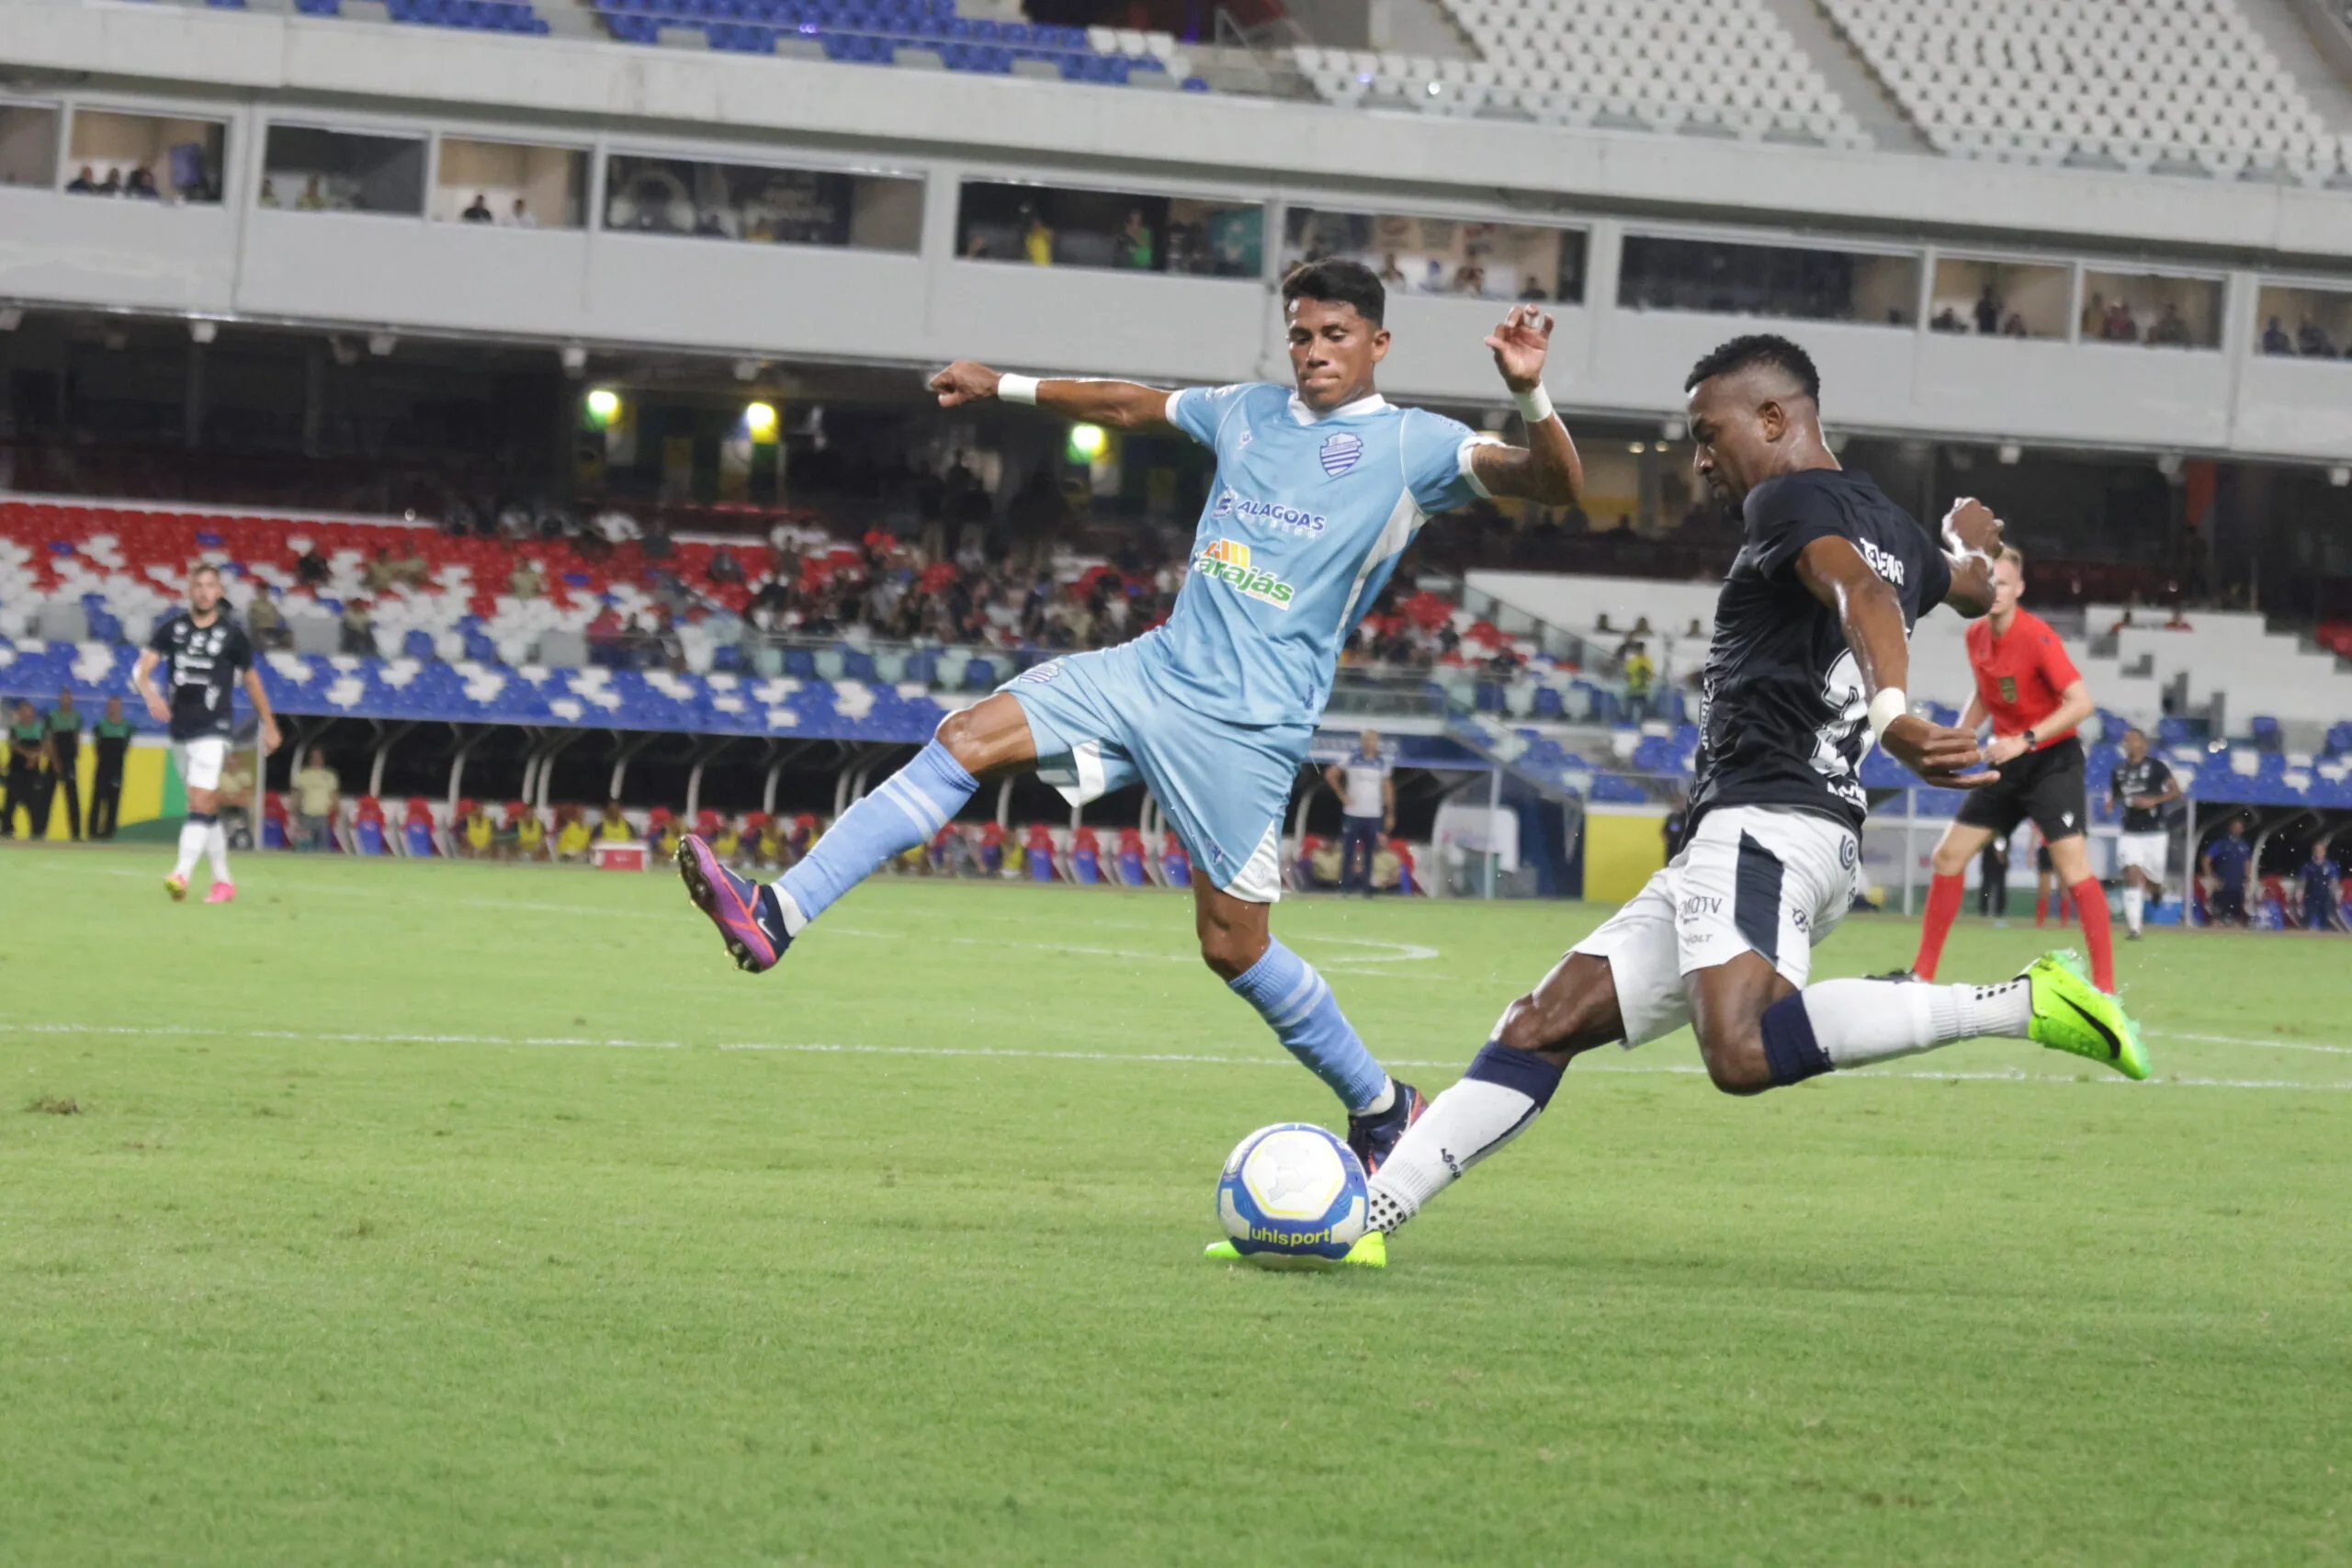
1101, 722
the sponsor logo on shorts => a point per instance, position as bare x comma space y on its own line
1228, 561
1269, 513
1697, 908
1846, 853
1798, 919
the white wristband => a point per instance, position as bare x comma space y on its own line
1013, 389
1535, 407
1885, 708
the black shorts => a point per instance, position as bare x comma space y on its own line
2044, 785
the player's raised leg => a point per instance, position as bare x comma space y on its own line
759, 920
1298, 1005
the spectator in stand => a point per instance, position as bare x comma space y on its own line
380, 574
1136, 247
313, 197
112, 734
724, 567
1390, 272
84, 184
112, 186
1036, 240
312, 570
480, 211
524, 581
1641, 678
2095, 318
2275, 339
657, 544
2015, 326
358, 636
141, 184
2171, 330
412, 569
2227, 861
317, 797
1948, 320
1366, 785
614, 828
519, 216
2311, 342
263, 625
2319, 890
28, 760
1988, 311
2121, 325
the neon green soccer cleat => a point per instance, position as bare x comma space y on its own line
1371, 1251
2073, 1015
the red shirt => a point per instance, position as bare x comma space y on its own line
2020, 675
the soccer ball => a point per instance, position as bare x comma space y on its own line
1292, 1196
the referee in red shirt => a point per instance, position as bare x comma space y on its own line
2035, 697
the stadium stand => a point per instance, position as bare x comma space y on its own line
1733, 70
2181, 85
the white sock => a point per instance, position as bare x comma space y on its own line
216, 844
1860, 1021
1384, 1100
193, 834
1498, 1097
2134, 901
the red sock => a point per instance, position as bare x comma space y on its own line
2091, 899
1943, 905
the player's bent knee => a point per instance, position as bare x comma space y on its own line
1231, 953
1735, 1060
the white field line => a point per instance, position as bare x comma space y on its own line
1268, 1060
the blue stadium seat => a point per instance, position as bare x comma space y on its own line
1548, 703
800, 664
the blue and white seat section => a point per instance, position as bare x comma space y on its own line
873, 31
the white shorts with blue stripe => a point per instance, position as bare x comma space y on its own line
1766, 879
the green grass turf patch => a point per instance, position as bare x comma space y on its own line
435, 1214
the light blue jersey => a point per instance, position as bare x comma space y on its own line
1303, 524
1214, 711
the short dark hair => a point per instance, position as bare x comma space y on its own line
1338, 282
201, 568
1759, 348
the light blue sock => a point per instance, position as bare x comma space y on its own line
912, 804
1298, 1005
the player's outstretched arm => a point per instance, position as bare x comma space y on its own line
1122, 405
1548, 468
261, 705
1972, 543
1833, 571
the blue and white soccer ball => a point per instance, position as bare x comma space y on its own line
1292, 1196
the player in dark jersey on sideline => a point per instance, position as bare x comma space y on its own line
2140, 787
204, 654
1811, 641
2035, 697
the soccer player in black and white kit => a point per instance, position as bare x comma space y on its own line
204, 653
1811, 641
2142, 786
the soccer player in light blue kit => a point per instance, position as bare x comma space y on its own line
1319, 487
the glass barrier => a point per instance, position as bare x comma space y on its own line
1444, 256
510, 184
1721, 278
2000, 298
308, 169
2158, 310
2308, 323
762, 205
1047, 226
28, 144
146, 157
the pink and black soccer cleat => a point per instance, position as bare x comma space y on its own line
221, 893
1373, 1136
744, 912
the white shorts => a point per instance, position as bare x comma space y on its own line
200, 760
2144, 852
1765, 879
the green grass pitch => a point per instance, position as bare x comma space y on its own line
454, 1214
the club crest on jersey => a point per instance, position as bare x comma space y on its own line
1340, 453
2008, 688
1228, 561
